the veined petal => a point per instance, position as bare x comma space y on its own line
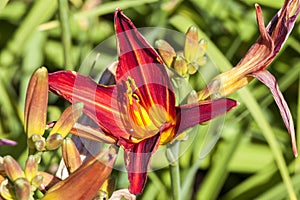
99, 104
269, 80
137, 163
190, 115
138, 61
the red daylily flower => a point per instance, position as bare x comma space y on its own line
139, 111
258, 58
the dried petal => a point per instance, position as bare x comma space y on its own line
269, 80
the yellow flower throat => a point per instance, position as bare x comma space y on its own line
145, 122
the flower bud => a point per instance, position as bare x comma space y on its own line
12, 168
22, 189
54, 141
70, 155
180, 66
36, 103
166, 51
191, 44
31, 167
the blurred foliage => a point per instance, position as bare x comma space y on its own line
241, 165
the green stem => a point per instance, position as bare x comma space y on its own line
172, 156
65, 30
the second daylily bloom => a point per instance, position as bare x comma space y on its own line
257, 59
139, 111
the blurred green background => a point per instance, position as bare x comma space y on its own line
241, 165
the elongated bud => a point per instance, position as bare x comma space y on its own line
36, 103
67, 120
22, 189
166, 51
191, 44
54, 141
70, 155
31, 168
12, 168
180, 66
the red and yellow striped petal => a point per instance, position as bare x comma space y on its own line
190, 115
99, 104
137, 163
141, 64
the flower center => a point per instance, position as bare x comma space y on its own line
145, 118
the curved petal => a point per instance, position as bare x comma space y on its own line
138, 61
137, 163
269, 80
190, 115
99, 104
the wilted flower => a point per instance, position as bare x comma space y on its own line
257, 59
